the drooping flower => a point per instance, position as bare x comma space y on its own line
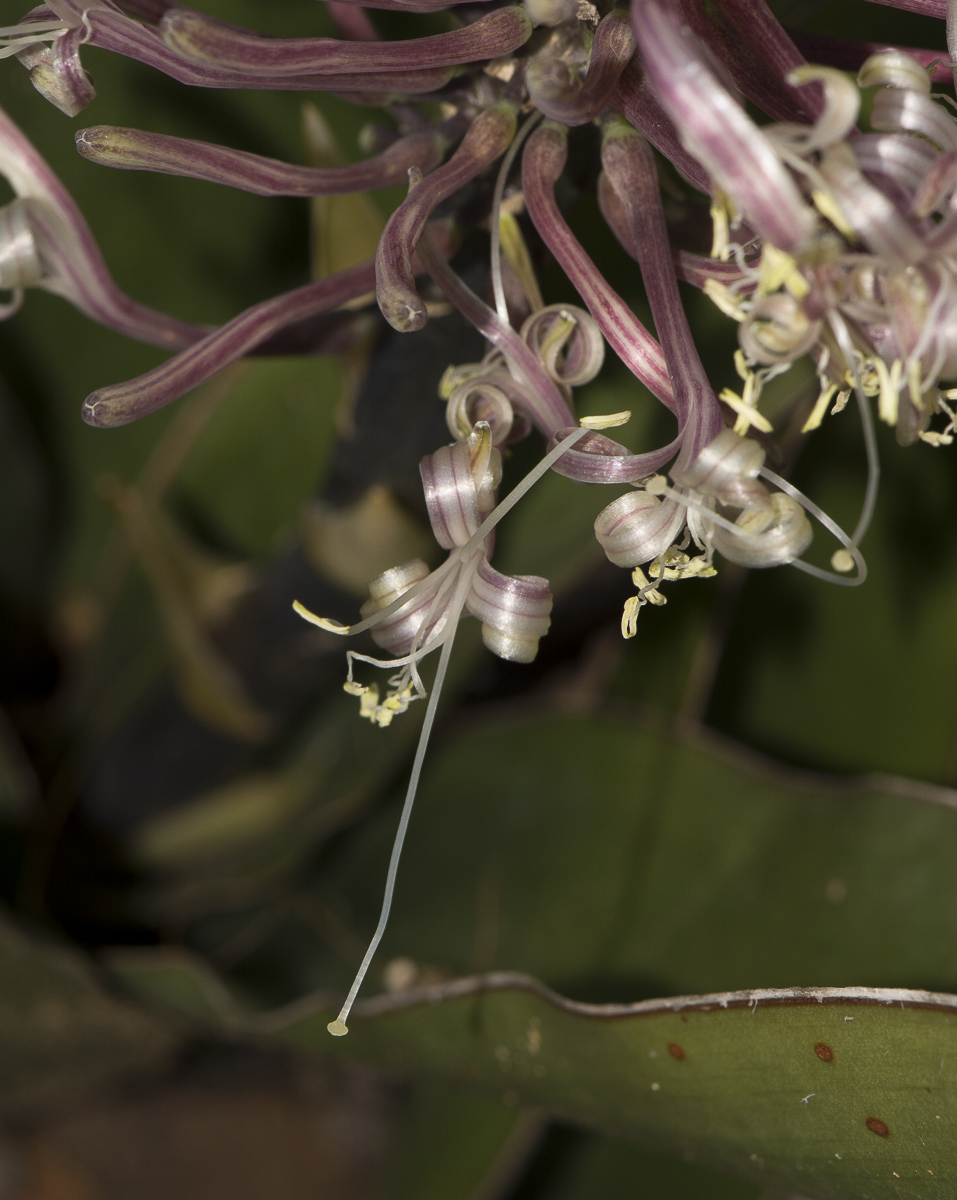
828, 242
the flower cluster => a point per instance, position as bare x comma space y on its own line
828, 242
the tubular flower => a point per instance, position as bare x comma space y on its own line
828, 242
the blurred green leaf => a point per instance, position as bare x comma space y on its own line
61, 1032
457, 1145
175, 981
234, 846
261, 456
612, 857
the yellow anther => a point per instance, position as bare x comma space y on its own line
841, 402
914, 384
606, 421
724, 299
722, 215
819, 409
647, 592
890, 385
828, 207
657, 485
629, 617
322, 622
747, 414
369, 703
518, 258
778, 269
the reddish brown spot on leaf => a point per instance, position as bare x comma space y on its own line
676, 1051
824, 1052
876, 1125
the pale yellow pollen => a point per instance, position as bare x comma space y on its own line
606, 421
843, 561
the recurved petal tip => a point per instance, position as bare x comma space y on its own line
403, 310
103, 415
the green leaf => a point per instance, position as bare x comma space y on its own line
261, 456
612, 857
836, 1093
61, 1033
173, 980
454, 1143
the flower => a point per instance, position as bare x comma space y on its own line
827, 242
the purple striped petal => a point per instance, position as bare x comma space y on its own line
112, 30
487, 138
135, 150
122, 403
56, 73
204, 39
716, 130
542, 164
514, 611
630, 166
637, 527
635, 99
73, 265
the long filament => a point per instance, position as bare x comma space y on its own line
338, 1027
843, 337
849, 544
